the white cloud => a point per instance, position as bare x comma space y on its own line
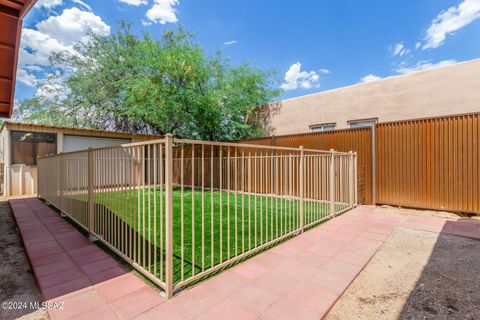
26, 78
57, 34
146, 23
424, 65
34, 68
370, 78
295, 78
229, 43
83, 4
325, 71
49, 4
135, 2
73, 25
399, 49
163, 11
449, 21
36, 47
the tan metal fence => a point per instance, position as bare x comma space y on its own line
430, 163
358, 140
179, 210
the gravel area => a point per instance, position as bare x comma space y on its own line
17, 283
416, 275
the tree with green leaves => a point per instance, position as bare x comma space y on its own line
141, 84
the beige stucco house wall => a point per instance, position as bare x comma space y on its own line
448, 90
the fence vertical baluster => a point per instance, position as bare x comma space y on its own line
316, 196
272, 192
236, 196
163, 211
261, 181
355, 180
212, 208
155, 182
283, 206
135, 197
115, 197
60, 179
249, 196
91, 203
277, 193
255, 192
301, 178
203, 207
265, 191
149, 208
332, 183
131, 193
243, 200
290, 191
182, 213
143, 208
169, 214
193, 209
139, 203
220, 160
228, 202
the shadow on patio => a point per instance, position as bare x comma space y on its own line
426, 269
449, 285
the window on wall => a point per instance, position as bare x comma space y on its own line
27, 146
362, 123
323, 127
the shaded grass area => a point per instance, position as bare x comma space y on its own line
209, 227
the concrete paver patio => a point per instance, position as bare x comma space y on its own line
299, 279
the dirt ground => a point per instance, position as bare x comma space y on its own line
426, 213
17, 283
416, 275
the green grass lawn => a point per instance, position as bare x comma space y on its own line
227, 226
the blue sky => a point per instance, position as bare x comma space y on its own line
314, 45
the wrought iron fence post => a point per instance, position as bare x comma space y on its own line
302, 204
90, 198
332, 182
169, 214
351, 178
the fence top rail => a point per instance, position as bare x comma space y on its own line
134, 144
199, 142
246, 145
62, 154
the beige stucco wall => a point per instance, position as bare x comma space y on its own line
443, 91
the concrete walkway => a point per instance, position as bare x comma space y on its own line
299, 279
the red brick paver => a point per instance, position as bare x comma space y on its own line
299, 279
71, 270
